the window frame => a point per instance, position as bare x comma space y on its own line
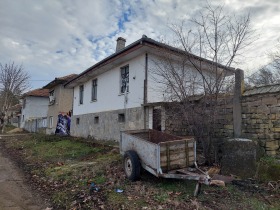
50, 121
81, 94
121, 118
96, 120
94, 84
126, 79
51, 94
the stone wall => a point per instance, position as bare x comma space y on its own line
177, 125
261, 120
107, 125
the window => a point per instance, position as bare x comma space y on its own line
94, 90
121, 118
22, 118
124, 79
50, 121
44, 122
81, 94
51, 97
77, 121
96, 120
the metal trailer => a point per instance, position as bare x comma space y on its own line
163, 155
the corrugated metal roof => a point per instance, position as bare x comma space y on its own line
262, 90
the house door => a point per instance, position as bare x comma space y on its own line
157, 119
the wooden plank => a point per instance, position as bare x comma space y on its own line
175, 147
174, 153
173, 164
164, 160
175, 142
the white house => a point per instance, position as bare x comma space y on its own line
120, 92
34, 105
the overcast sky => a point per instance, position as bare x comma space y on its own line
52, 38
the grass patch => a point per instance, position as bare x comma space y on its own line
8, 128
58, 149
269, 169
64, 149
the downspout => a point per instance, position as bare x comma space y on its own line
145, 91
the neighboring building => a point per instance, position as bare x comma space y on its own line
120, 93
60, 101
34, 106
13, 115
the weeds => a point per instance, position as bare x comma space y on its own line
65, 167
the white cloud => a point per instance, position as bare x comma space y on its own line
54, 38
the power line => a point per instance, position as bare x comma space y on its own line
39, 80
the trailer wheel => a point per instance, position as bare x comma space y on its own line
197, 189
132, 165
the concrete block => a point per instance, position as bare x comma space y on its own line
272, 116
276, 130
271, 153
239, 157
274, 109
254, 103
230, 127
272, 145
263, 109
269, 100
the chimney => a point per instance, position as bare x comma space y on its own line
120, 44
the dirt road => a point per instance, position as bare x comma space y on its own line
14, 193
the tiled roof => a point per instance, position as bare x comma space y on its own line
60, 80
262, 89
143, 42
38, 92
67, 77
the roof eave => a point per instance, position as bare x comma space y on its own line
141, 42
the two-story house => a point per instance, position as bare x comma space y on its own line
120, 92
60, 101
34, 105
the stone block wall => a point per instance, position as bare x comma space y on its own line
177, 125
261, 120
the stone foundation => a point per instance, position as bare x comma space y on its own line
107, 125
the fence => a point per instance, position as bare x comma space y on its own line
37, 125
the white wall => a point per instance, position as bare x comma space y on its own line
157, 90
108, 89
35, 107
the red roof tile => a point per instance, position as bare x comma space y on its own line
38, 92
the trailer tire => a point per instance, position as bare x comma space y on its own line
132, 165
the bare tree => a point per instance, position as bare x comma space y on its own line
13, 82
199, 71
268, 74
264, 76
275, 57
